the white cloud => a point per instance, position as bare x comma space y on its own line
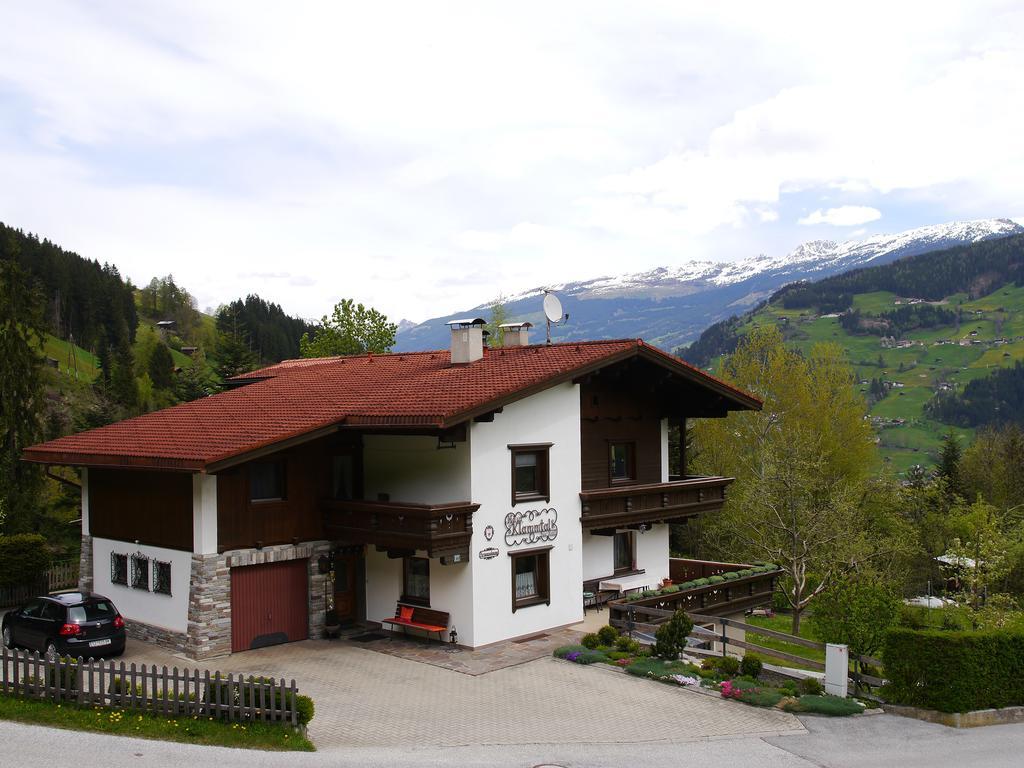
422, 157
844, 216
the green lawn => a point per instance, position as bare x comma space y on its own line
68, 356
189, 730
781, 623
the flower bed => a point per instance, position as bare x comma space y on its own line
741, 680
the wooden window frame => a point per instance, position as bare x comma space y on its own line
631, 479
543, 596
282, 465
632, 553
413, 599
543, 491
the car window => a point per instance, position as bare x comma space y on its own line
91, 612
32, 608
52, 612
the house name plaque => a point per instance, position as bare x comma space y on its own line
531, 527
489, 554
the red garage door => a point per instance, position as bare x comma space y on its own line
268, 604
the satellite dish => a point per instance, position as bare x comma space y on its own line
553, 312
552, 308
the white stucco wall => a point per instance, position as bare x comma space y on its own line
551, 416
652, 553
383, 584
204, 514
167, 611
412, 468
598, 556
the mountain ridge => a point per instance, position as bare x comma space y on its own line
670, 306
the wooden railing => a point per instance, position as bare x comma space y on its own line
681, 569
148, 689
440, 529
728, 597
610, 508
644, 620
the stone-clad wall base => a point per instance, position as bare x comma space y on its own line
85, 576
165, 638
974, 719
209, 608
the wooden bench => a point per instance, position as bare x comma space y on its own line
417, 617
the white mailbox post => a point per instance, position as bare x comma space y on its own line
837, 669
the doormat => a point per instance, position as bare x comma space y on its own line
541, 636
368, 637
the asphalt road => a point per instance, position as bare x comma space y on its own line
873, 741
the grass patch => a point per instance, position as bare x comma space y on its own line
188, 730
833, 706
782, 623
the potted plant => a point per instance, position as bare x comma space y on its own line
332, 624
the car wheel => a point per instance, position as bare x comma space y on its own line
8, 639
51, 652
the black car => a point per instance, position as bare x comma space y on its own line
69, 624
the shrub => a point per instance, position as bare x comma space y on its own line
715, 580
730, 575
688, 585
912, 616
649, 593
671, 589
590, 641
607, 635
751, 665
728, 665
23, 559
700, 583
670, 639
760, 698
746, 572
618, 655
628, 644
834, 706
954, 671
590, 657
811, 686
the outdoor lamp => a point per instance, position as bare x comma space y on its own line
453, 636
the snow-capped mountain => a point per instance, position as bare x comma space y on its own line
670, 306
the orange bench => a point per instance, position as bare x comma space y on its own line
417, 617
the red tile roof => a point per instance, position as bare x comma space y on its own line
297, 397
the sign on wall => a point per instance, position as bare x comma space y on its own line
531, 526
489, 554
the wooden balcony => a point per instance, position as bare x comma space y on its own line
631, 505
725, 597
400, 528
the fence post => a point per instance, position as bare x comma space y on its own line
725, 639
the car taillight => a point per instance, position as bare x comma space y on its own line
118, 622
70, 629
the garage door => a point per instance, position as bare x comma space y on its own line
268, 604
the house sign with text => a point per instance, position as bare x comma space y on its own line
531, 526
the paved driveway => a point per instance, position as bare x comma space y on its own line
368, 699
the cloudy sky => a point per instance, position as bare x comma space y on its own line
424, 157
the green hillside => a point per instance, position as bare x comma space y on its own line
922, 362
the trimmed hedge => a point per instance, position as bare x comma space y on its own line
954, 671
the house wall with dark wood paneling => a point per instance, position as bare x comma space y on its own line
243, 523
611, 410
152, 508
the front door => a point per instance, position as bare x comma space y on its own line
345, 570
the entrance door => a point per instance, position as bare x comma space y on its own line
345, 587
269, 604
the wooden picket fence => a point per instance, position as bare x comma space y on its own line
63, 575
149, 689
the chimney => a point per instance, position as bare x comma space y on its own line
516, 334
467, 340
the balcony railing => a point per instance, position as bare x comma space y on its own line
439, 529
748, 587
652, 503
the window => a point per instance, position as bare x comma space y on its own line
161, 577
79, 614
624, 550
53, 612
530, 472
530, 578
118, 569
622, 462
140, 572
416, 580
266, 481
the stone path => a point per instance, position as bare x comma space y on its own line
368, 699
475, 662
